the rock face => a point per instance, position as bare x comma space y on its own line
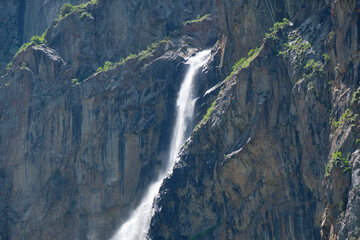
7, 26
20, 20
267, 163
109, 131
124, 28
251, 170
274, 154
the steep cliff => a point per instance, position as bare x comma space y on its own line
78, 151
20, 20
274, 154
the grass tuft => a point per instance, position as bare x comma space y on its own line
198, 19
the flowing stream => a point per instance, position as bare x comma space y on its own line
137, 226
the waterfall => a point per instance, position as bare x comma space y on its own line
137, 226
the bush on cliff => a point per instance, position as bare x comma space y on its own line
66, 9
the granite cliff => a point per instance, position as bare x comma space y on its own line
21, 19
86, 112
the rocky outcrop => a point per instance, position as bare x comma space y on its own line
23, 19
116, 29
246, 22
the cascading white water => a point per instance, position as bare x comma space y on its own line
137, 225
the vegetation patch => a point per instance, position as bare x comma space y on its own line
85, 14
299, 52
312, 66
298, 46
209, 111
326, 57
355, 100
245, 62
350, 115
23, 48
198, 19
206, 116
345, 117
313, 69
107, 65
68, 8
111, 65
152, 47
9, 65
23, 65
276, 28
74, 81
253, 53
338, 160
297, 49
36, 40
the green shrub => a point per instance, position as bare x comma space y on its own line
129, 57
338, 160
152, 47
66, 9
347, 116
313, 69
206, 116
280, 25
9, 65
313, 66
326, 57
237, 65
23, 65
355, 100
299, 47
107, 65
244, 62
251, 52
23, 48
37, 40
209, 111
198, 19
81, 8
85, 14
277, 26
74, 81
